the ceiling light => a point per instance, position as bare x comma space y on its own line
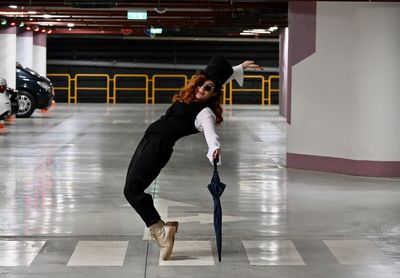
4, 22
13, 6
257, 31
49, 31
21, 24
13, 23
274, 28
32, 12
247, 34
70, 25
261, 31
28, 28
47, 16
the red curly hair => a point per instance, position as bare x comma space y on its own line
188, 94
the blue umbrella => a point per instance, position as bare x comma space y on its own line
216, 188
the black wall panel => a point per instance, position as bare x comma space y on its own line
117, 50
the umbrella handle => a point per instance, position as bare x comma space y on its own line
215, 161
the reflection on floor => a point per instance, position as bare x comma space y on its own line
63, 214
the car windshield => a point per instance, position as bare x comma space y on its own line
32, 71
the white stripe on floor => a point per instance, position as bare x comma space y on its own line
190, 253
99, 253
19, 253
272, 252
351, 252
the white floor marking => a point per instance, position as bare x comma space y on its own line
272, 252
19, 253
99, 253
350, 252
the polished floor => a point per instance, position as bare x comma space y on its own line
63, 214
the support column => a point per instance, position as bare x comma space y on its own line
8, 42
283, 73
40, 53
345, 101
25, 49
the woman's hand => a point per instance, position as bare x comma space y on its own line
216, 153
250, 65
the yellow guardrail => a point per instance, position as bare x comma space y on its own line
120, 76
68, 88
270, 89
72, 96
262, 90
154, 88
76, 87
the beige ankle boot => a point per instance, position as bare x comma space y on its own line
164, 234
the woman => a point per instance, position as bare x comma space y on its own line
196, 108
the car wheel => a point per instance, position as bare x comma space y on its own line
27, 104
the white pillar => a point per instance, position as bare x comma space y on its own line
25, 49
283, 71
345, 100
39, 53
8, 42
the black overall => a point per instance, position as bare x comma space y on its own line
153, 153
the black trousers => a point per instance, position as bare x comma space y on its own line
151, 155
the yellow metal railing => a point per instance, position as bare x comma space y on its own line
270, 89
87, 75
155, 88
262, 90
150, 98
68, 88
120, 76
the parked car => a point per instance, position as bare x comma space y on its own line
5, 103
35, 91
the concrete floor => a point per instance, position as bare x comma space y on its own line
63, 214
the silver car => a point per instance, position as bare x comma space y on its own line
5, 103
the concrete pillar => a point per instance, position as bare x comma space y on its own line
344, 94
283, 71
25, 49
40, 53
8, 42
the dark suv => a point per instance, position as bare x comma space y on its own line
35, 91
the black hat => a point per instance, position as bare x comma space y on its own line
218, 70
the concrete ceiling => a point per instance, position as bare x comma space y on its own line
222, 19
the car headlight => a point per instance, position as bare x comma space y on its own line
44, 85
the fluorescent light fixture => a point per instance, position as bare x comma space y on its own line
70, 25
247, 34
137, 14
13, 6
155, 30
256, 31
47, 16
272, 29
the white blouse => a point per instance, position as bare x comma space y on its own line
205, 120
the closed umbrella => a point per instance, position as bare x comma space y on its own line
216, 188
